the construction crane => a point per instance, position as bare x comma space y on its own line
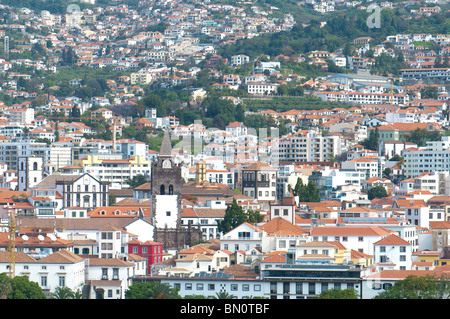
392, 79
12, 242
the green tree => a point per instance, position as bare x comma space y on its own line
234, 216
153, 290
313, 193
306, 193
421, 136
224, 295
5, 287
62, 293
22, 288
254, 216
339, 294
418, 287
377, 192
195, 297
136, 181
371, 143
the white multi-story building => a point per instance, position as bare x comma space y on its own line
11, 151
435, 157
258, 88
259, 180
20, 115
243, 237
117, 171
369, 167
352, 237
393, 250
239, 59
60, 269
110, 278
401, 116
308, 146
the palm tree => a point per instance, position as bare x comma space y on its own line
224, 295
5, 287
78, 295
163, 291
62, 293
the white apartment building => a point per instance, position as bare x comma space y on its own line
434, 157
115, 171
239, 59
418, 215
141, 78
393, 250
369, 167
442, 74
401, 117
308, 146
19, 115
399, 99
11, 151
258, 88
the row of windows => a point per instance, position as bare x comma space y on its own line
212, 287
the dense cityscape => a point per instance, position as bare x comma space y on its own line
218, 149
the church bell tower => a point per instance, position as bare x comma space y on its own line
166, 188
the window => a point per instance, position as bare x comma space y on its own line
299, 288
257, 287
382, 249
387, 286
360, 238
312, 288
199, 286
110, 293
234, 287
43, 281
211, 287
245, 287
402, 249
104, 274
188, 286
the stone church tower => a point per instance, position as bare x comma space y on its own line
166, 201
166, 188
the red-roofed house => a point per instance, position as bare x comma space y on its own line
393, 249
353, 237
